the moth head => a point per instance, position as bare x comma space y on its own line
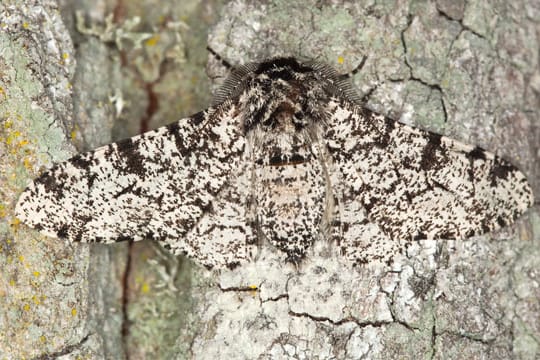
284, 94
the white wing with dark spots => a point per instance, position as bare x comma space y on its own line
285, 159
160, 185
408, 184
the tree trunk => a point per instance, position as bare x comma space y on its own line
468, 70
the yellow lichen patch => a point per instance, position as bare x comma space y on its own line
22, 260
26, 307
25, 25
8, 123
36, 273
12, 282
36, 300
152, 41
27, 164
73, 312
42, 339
15, 224
65, 58
254, 289
2, 210
73, 134
12, 136
340, 60
145, 288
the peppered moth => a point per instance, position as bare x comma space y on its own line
285, 156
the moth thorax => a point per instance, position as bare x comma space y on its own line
283, 118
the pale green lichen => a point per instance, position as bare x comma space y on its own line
31, 137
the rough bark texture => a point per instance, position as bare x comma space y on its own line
85, 81
464, 69
467, 69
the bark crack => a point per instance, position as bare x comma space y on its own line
346, 320
125, 300
65, 351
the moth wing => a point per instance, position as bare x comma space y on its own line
160, 185
222, 237
414, 184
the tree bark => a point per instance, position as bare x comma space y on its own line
468, 70
464, 69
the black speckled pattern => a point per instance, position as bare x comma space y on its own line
286, 156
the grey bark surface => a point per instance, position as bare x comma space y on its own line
76, 75
46, 297
466, 69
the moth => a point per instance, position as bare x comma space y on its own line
285, 156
